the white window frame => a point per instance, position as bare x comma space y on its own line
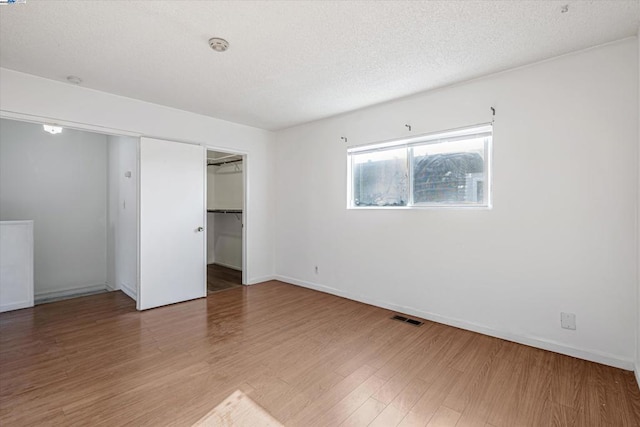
484, 130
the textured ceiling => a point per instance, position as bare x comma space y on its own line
292, 62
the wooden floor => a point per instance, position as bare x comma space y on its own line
220, 278
307, 358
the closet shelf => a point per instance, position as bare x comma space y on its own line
231, 211
221, 163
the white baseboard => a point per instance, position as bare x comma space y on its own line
15, 306
593, 356
131, 293
233, 267
110, 288
45, 296
262, 279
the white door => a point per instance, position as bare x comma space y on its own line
172, 220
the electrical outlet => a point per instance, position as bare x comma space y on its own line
568, 321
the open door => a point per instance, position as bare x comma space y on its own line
172, 220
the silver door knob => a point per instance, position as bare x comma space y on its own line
199, 229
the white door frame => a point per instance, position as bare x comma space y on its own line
245, 193
67, 124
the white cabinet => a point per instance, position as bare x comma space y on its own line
16, 265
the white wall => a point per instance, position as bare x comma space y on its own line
559, 237
113, 190
123, 215
59, 182
211, 187
25, 95
211, 240
225, 239
228, 193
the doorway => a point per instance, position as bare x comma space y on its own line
225, 196
78, 189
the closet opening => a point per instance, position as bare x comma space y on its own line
225, 201
77, 193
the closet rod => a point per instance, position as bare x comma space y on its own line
223, 163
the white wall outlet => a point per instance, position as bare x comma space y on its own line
568, 321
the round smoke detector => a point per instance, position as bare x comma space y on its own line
218, 44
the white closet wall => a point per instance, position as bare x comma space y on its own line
59, 182
122, 236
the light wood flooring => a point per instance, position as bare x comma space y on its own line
220, 278
306, 357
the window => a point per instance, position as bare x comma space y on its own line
444, 169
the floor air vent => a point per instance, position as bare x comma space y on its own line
413, 322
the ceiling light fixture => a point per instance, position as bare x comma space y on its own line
74, 80
218, 44
52, 129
